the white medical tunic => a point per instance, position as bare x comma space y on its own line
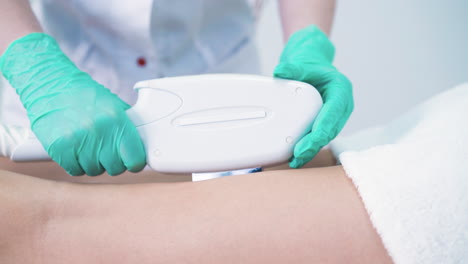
120, 42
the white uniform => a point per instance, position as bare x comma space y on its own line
121, 42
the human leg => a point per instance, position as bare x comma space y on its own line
293, 216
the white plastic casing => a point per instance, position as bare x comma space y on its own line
214, 122
219, 122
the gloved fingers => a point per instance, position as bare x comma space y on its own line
110, 160
108, 126
68, 160
328, 123
324, 130
339, 86
131, 148
91, 165
288, 71
314, 74
325, 127
88, 156
337, 107
306, 149
330, 119
299, 161
338, 104
62, 100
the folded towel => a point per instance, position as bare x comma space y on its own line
412, 175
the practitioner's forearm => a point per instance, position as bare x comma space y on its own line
52, 171
16, 20
298, 14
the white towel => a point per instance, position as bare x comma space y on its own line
412, 175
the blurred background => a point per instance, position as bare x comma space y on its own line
396, 53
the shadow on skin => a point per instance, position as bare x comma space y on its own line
52, 171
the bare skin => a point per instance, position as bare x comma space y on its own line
298, 14
16, 20
293, 216
286, 216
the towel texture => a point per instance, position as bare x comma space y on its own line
412, 175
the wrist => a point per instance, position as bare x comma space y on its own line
22, 47
314, 41
35, 66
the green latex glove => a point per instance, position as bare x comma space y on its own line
80, 123
308, 57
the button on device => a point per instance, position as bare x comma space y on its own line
298, 90
141, 61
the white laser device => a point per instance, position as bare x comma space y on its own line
213, 122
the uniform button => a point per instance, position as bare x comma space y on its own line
141, 61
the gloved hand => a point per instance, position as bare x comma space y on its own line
80, 123
308, 57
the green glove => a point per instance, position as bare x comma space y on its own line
80, 123
308, 57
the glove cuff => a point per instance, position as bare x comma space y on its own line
315, 40
20, 49
35, 65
